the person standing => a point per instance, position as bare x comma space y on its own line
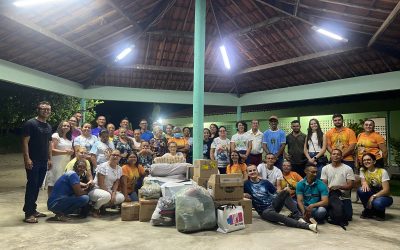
295, 142
256, 137
124, 124
274, 141
101, 125
145, 134
37, 153
220, 150
342, 138
240, 141
315, 146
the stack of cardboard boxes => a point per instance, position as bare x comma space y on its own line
202, 171
228, 189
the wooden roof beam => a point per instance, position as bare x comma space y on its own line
392, 16
166, 69
52, 36
296, 60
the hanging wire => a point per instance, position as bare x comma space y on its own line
216, 21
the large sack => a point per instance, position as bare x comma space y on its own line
164, 215
170, 159
166, 169
150, 189
195, 210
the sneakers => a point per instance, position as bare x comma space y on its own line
379, 215
313, 227
302, 220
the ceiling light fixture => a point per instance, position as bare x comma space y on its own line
225, 57
124, 53
329, 34
27, 3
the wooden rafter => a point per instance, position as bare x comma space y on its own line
51, 35
392, 16
166, 69
296, 60
355, 6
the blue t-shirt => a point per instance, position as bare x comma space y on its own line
146, 136
274, 140
96, 131
313, 192
262, 193
63, 186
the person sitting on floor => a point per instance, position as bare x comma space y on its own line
268, 203
145, 155
236, 165
132, 173
289, 178
82, 155
269, 172
339, 178
312, 195
106, 182
375, 190
67, 195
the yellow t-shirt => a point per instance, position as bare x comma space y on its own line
240, 168
70, 165
292, 178
369, 143
341, 139
132, 174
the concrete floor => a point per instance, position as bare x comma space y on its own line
110, 232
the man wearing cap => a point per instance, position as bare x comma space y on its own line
274, 141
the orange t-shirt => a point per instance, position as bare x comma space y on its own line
132, 174
341, 139
292, 178
369, 143
240, 168
180, 142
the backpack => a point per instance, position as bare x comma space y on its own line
336, 210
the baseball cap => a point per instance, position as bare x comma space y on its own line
272, 117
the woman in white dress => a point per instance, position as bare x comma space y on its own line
61, 151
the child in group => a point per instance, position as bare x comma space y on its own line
145, 155
236, 165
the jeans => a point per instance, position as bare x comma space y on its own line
279, 162
319, 165
101, 197
254, 159
68, 204
35, 178
272, 213
380, 203
319, 214
134, 196
243, 152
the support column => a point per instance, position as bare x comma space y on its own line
198, 78
238, 113
83, 110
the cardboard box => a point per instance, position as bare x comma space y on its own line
201, 181
226, 186
130, 211
205, 168
147, 208
245, 203
189, 172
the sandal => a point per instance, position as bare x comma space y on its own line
31, 219
96, 213
39, 214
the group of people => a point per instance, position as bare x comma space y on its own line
104, 166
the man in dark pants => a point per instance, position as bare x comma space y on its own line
268, 204
295, 142
36, 148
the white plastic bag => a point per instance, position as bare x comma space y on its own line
150, 190
230, 218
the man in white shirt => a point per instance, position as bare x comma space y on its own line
268, 171
339, 176
256, 136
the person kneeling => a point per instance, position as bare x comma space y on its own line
268, 204
106, 184
312, 196
67, 195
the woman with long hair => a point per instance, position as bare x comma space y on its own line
374, 192
214, 131
315, 146
61, 145
206, 143
132, 172
220, 150
236, 165
372, 142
